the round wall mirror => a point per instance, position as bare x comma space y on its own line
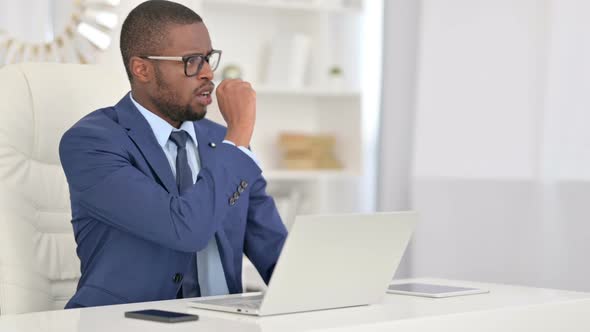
55, 30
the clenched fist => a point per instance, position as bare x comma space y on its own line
237, 103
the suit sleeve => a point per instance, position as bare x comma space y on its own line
104, 182
265, 231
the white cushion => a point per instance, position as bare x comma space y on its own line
39, 268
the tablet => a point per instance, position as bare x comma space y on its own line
432, 290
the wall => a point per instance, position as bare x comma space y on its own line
500, 167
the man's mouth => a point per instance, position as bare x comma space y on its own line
204, 97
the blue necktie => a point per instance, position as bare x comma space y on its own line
184, 180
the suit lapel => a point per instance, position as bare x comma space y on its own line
206, 153
204, 146
141, 133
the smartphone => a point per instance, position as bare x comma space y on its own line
161, 316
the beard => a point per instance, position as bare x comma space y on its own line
166, 102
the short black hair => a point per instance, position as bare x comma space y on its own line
145, 29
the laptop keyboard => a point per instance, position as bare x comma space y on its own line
251, 302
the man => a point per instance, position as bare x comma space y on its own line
165, 202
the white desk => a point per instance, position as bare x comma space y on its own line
505, 308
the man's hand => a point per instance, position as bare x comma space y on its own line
237, 103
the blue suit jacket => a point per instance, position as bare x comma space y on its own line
136, 233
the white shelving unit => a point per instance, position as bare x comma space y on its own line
243, 30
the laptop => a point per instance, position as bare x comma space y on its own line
328, 262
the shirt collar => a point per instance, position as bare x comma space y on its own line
163, 129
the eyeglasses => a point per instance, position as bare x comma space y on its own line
192, 63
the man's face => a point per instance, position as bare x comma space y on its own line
178, 97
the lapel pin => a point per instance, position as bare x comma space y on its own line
211, 144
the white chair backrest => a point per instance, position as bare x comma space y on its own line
39, 268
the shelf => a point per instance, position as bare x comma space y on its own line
311, 6
262, 90
293, 175
310, 91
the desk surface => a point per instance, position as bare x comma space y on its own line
504, 308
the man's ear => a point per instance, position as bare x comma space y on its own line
142, 70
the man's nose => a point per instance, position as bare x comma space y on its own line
206, 73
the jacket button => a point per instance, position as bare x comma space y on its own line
236, 196
244, 184
232, 201
240, 189
177, 278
